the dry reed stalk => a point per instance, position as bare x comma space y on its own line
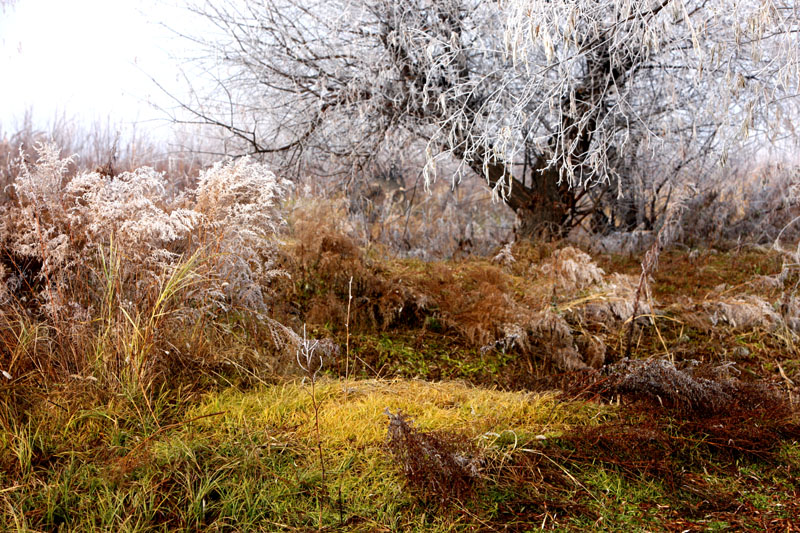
347, 339
665, 235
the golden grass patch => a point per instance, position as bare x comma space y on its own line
352, 413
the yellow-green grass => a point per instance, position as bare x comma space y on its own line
250, 463
247, 460
362, 480
352, 413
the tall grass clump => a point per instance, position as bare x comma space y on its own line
126, 275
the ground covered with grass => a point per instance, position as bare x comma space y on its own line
234, 363
420, 423
466, 458
424, 425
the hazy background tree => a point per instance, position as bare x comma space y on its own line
562, 107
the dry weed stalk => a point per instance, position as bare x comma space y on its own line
310, 356
310, 362
347, 335
666, 234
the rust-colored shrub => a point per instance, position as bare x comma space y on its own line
440, 466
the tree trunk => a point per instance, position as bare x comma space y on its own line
548, 208
544, 209
548, 211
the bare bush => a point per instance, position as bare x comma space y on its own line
434, 464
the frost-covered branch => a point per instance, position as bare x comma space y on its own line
533, 95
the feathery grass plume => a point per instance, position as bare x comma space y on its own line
438, 465
239, 201
551, 335
505, 256
608, 304
37, 227
5, 293
309, 361
61, 220
61, 223
572, 269
132, 209
126, 265
742, 313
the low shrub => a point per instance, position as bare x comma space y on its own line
121, 275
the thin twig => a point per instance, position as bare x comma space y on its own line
347, 339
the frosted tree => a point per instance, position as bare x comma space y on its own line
548, 101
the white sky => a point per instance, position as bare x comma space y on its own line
89, 60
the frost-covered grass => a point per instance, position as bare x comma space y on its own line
118, 279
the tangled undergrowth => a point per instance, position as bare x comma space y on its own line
540, 310
114, 278
152, 375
